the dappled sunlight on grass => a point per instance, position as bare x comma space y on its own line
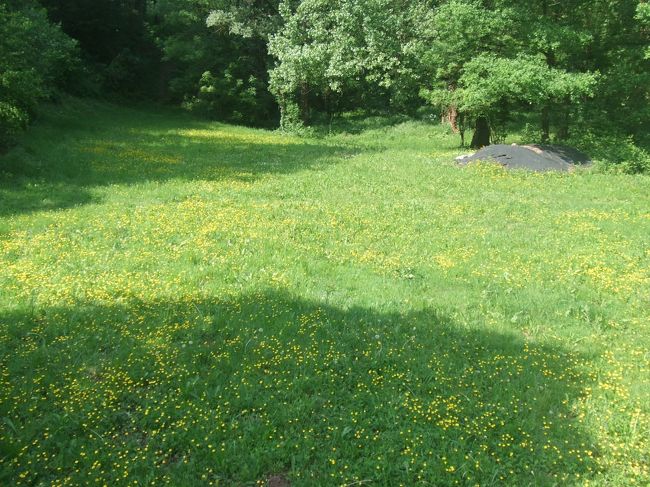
244, 136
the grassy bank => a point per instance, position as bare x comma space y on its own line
192, 303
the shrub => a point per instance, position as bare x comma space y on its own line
230, 98
36, 58
614, 153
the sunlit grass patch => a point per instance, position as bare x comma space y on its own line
239, 136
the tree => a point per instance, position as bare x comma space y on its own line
489, 83
558, 32
36, 58
490, 61
643, 17
347, 48
461, 30
316, 51
215, 59
114, 39
622, 101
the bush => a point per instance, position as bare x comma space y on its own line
230, 98
614, 153
36, 58
12, 122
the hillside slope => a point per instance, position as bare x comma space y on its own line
191, 303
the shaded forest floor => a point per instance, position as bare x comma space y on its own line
192, 303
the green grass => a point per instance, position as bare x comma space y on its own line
189, 303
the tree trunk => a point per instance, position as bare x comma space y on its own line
451, 117
461, 128
304, 103
285, 118
482, 133
165, 72
546, 124
563, 130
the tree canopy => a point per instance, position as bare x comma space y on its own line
36, 59
482, 64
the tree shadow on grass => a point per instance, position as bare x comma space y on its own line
26, 196
235, 390
58, 169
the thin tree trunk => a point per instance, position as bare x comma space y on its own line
563, 131
450, 116
304, 103
546, 124
461, 128
282, 104
482, 133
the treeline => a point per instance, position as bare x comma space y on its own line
571, 65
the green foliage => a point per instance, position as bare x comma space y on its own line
493, 60
13, 120
228, 98
490, 84
490, 61
643, 16
614, 153
315, 51
249, 19
115, 40
354, 49
195, 42
567, 66
462, 30
36, 58
622, 102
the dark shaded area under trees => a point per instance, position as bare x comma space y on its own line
573, 67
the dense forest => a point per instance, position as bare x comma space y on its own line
561, 69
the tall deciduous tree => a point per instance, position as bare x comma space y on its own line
492, 58
327, 49
461, 31
490, 83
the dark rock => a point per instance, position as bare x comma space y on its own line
531, 157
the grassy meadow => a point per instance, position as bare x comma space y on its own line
190, 303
